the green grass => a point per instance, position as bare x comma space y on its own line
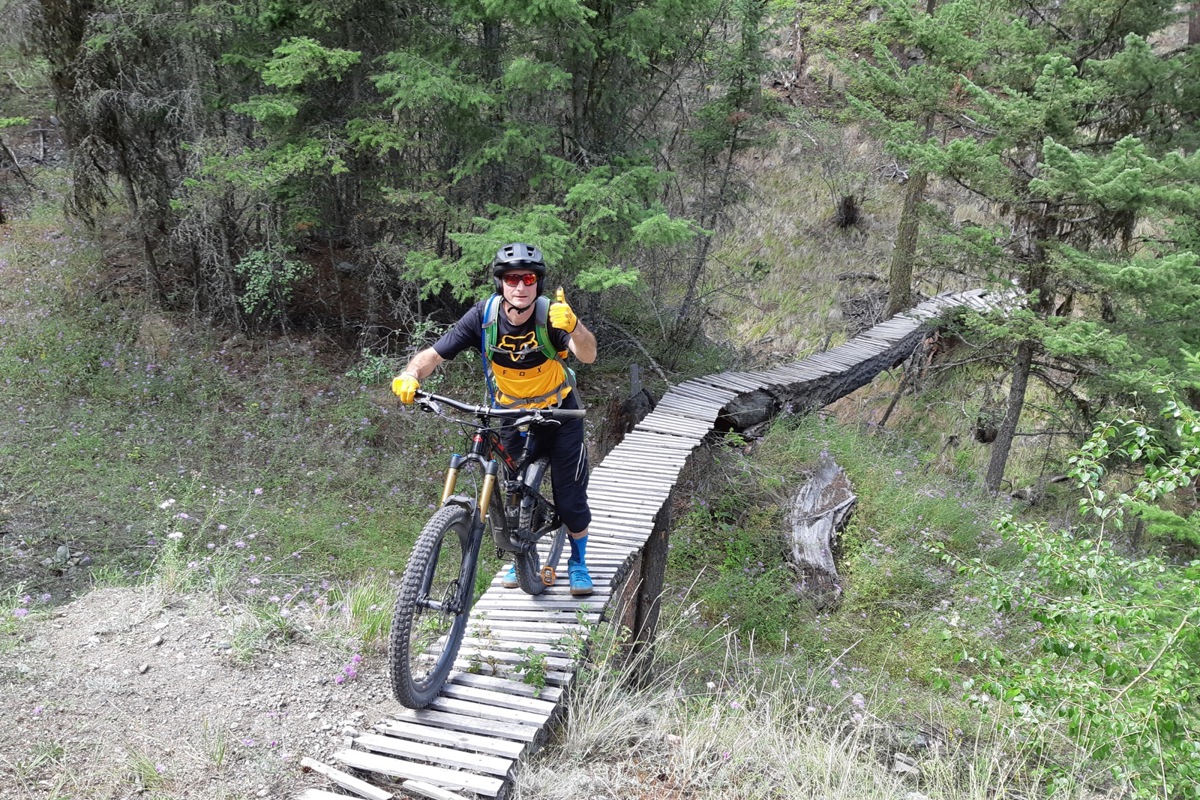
264, 473
900, 604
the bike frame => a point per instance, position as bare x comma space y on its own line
485, 447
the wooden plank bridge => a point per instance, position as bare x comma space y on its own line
468, 742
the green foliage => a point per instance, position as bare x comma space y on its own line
1114, 664
302, 59
373, 368
532, 668
1074, 143
428, 138
728, 550
270, 278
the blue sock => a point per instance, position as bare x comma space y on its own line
578, 549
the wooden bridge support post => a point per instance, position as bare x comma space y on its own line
647, 602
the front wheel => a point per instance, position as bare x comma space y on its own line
431, 608
536, 566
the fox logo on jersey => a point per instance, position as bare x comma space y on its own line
517, 347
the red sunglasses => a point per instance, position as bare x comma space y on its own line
529, 279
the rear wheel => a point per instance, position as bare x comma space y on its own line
536, 567
431, 608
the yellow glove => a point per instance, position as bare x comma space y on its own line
405, 387
561, 315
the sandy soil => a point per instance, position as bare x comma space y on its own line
124, 693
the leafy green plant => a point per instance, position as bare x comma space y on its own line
532, 668
269, 280
1114, 665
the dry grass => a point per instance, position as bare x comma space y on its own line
761, 732
808, 266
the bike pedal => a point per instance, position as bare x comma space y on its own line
549, 576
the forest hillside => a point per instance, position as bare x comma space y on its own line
225, 226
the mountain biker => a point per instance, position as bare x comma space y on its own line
521, 375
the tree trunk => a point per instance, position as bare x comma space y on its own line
1194, 23
1022, 365
905, 251
817, 512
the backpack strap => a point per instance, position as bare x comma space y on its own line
491, 333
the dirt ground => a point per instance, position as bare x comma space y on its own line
124, 693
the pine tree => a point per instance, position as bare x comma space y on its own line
1069, 119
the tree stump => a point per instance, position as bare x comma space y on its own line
815, 514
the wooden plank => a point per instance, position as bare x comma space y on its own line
515, 645
497, 654
431, 791
606, 546
472, 708
346, 780
628, 496
640, 486
438, 776
443, 756
654, 469
505, 657
507, 599
667, 448
679, 405
516, 688
634, 493
647, 476
486, 627
677, 426
469, 724
550, 615
707, 390
500, 699
618, 509
626, 527
626, 530
516, 635
451, 738
556, 678
690, 418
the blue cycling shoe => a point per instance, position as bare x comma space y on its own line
581, 579
510, 578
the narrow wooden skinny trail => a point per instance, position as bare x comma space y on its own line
469, 741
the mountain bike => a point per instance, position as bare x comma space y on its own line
438, 586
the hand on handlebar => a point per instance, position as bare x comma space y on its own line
405, 386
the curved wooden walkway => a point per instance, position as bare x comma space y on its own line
467, 743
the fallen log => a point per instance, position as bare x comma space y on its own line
815, 514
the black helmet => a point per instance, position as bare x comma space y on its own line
518, 256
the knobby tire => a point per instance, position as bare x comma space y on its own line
424, 641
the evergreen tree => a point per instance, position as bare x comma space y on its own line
1066, 118
414, 138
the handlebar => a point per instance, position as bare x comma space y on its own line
430, 402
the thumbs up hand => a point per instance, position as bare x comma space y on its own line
561, 315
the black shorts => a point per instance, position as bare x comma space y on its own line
565, 446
